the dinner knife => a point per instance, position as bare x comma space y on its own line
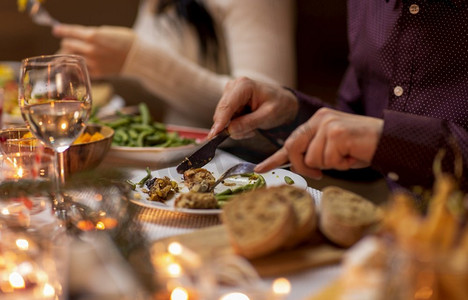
203, 155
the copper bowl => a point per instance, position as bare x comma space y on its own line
79, 157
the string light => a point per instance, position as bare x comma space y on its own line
22, 244
281, 286
174, 269
20, 172
179, 293
16, 280
48, 290
175, 248
235, 296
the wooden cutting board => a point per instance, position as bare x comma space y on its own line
212, 241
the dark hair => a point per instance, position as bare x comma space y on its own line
195, 13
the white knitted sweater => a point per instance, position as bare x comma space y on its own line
257, 40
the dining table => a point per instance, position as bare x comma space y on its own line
97, 270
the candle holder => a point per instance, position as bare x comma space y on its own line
182, 274
33, 242
26, 187
30, 265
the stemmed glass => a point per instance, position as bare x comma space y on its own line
55, 101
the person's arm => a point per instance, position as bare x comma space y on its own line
410, 143
259, 38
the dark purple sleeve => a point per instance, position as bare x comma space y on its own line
409, 144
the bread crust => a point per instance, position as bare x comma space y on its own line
306, 213
345, 217
259, 222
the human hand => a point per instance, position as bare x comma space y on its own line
105, 48
270, 106
330, 139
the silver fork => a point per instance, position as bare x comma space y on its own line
39, 14
239, 169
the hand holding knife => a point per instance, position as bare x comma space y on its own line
203, 155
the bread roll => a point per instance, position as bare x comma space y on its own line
345, 216
259, 222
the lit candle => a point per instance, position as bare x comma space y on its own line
19, 173
22, 244
16, 280
235, 296
179, 293
281, 287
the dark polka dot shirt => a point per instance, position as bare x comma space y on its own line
409, 66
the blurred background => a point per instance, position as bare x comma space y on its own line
321, 38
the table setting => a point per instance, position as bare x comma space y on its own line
61, 200
100, 201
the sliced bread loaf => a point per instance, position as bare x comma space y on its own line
259, 222
304, 208
345, 216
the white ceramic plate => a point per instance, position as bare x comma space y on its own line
138, 156
272, 178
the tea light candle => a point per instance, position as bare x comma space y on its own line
27, 271
26, 281
281, 287
235, 296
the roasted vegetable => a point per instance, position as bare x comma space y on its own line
258, 182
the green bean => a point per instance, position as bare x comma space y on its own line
119, 122
159, 126
133, 134
242, 188
144, 113
141, 127
142, 136
140, 131
132, 143
249, 175
144, 179
121, 135
166, 144
227, 194
136, 119
132, 184
260, 182
223, 197
176, 144
155, 138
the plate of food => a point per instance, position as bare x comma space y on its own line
140, 140
189, 192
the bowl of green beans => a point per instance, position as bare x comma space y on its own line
138, 140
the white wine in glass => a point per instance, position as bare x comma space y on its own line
55, 100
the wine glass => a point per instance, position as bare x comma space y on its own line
55, 101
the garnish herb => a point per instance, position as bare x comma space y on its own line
288, 180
